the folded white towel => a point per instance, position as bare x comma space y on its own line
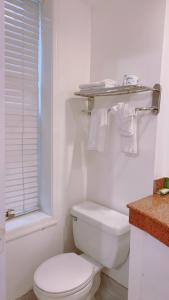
97, 130
127, 124
107, 83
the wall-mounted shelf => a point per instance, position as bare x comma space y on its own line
124, 90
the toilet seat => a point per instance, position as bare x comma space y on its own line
69, 295
63, 275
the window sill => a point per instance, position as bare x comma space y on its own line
24, 225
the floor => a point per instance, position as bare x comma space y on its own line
109, 290
29, 296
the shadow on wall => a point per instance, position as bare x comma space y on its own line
74, 164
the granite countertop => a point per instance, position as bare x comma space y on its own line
151, 214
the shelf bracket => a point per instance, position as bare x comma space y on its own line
156, 98
90, 104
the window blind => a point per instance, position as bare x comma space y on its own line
21, 104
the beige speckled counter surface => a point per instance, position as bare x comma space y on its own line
151, 214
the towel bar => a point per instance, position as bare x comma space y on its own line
152, 109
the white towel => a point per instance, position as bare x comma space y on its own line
129, 143
97, 130
126, 119
107, 83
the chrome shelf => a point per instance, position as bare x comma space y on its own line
119, 90
124, 90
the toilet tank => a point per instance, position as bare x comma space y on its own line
101, 233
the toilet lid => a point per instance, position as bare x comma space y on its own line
63, 273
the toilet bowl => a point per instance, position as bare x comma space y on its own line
67, 277
102, 234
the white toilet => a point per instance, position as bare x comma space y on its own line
102, 235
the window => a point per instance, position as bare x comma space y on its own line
22, 19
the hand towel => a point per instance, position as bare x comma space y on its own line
107, 83
126, 120
129, 143
97, 130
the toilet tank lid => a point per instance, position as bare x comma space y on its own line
100, 216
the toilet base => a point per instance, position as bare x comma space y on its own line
95, 287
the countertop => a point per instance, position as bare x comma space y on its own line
151, 214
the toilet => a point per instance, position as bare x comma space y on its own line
102, 235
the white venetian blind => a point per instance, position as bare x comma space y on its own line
21, 102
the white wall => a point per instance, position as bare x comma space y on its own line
71, 65
162, 142
23, 257
2, 204
127, 38
123, 43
